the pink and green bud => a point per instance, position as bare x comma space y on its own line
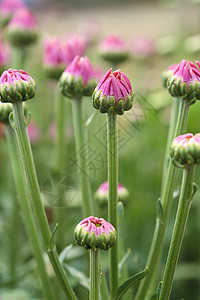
78, 79
113, 92
22, 30
185, 149
5, 110
185, 81
16, 86
7, 8
167, 74
114, 49
94, 233
101, 194
54, 64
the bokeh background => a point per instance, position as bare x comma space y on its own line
173, 28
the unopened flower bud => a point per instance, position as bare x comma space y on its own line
22, 30
7, 8
185, 149
102, 194
93, 233
78, 79
114, 49
5, 110
185, 81
113, 91
16, 86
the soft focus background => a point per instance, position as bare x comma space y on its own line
173, 28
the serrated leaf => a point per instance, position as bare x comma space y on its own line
123, 288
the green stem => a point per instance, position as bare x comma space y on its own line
82, 157
28, 217
34, 191
112, 147
14, 234
166, 202
171, 133
94, 275
59, 164
178, 232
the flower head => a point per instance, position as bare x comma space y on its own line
143, 47
113, 91
93, 233
16, 86
114, 49
8, 7
185, 81
78, 79
102, 193
167, 74
22, 29
71, 47
53, 57
185, 149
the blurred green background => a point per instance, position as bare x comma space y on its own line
143, 134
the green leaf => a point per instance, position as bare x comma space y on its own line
78, 276
123, 260
123, 288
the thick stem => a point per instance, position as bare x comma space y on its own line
112, 147
82, 157
32, 232
94, 275
166, 201
178, 232
34, 191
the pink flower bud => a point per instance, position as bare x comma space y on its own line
93, 233
73, 46
102, 194
8, 7
185, 81
78, 79
16, 86
185, 149
113, 91
114, 49
22, 29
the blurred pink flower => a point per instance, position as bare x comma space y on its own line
90, 30
113, 43
52, 132
53, 53
23, 19
71, 47
34, 132
143, 47
8, 7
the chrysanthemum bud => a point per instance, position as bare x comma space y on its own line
22, 29
185, 81
185, 149
7, 8
78, 79
5, 110
167, 74
102, 194
93, 233
113, 91
114, 49
143, 47
16, 86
